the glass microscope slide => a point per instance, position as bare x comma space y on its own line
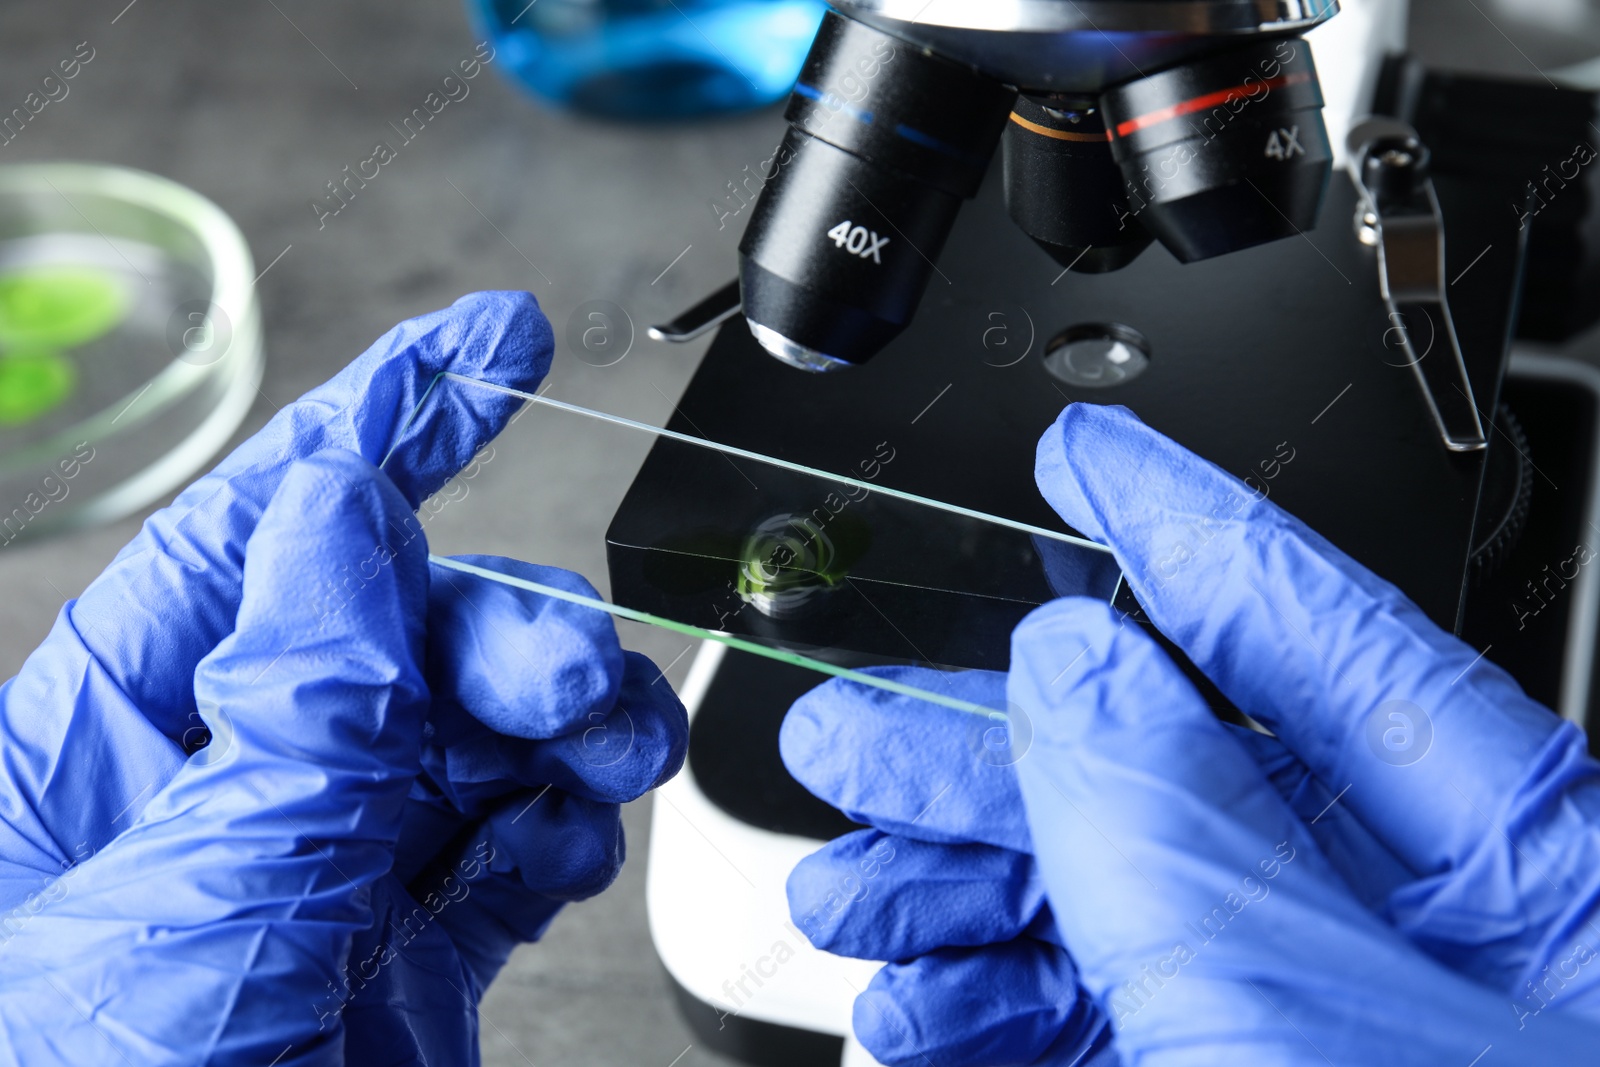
686, 539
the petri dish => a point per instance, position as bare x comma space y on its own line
826, 570
130, 341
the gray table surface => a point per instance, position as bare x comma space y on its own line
257, 104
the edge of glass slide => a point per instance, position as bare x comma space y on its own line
755, 648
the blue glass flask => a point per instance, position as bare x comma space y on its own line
651, 59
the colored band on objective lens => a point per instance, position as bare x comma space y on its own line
1209, 100
1059, 135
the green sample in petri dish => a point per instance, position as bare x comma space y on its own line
43, 310
58, 306
32, 384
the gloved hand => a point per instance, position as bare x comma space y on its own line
340, 870
1408, 873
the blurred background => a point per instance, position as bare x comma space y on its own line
259, 104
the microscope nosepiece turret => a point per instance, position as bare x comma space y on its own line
1215, 143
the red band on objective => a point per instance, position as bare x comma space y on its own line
1210, 100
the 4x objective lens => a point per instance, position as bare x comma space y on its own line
1224, 152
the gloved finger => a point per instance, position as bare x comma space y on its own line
103, 713
239, 886
1368, 867
936, 774
501, 882
615, 756
1472, 785
173, 592
1072, 1049
875, 896
872, 895
977, 1007
406, 996
1179, 878
530, 690
916, 769
955, 783
522, 664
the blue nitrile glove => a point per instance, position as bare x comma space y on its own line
257, 803
1409, 873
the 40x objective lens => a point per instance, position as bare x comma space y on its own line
885, 142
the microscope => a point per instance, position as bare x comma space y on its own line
1257, 224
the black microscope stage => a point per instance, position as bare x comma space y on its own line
1283, 350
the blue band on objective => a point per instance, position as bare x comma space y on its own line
928, 141
915, 136
811, 92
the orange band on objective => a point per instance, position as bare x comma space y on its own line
1059, 135
1210, 100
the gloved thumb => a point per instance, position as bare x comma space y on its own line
1200, 913
236, 893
